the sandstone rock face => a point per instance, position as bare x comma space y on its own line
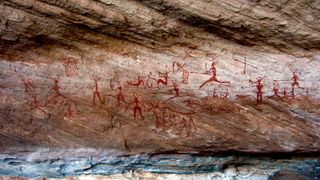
170, 76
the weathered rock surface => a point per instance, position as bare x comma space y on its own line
67, 163
170, 76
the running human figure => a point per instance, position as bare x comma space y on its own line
259, 87
136, 107
56, 88
213, 77
295, 79
96, 93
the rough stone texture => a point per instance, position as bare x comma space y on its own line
72, 163
70, 71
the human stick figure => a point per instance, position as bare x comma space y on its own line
56, 88
295, 83
213, 77
258, 84
275, 90
136, 106
96, 93
120, 96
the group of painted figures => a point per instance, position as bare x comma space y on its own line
166, 116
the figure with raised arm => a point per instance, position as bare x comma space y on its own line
258, 84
